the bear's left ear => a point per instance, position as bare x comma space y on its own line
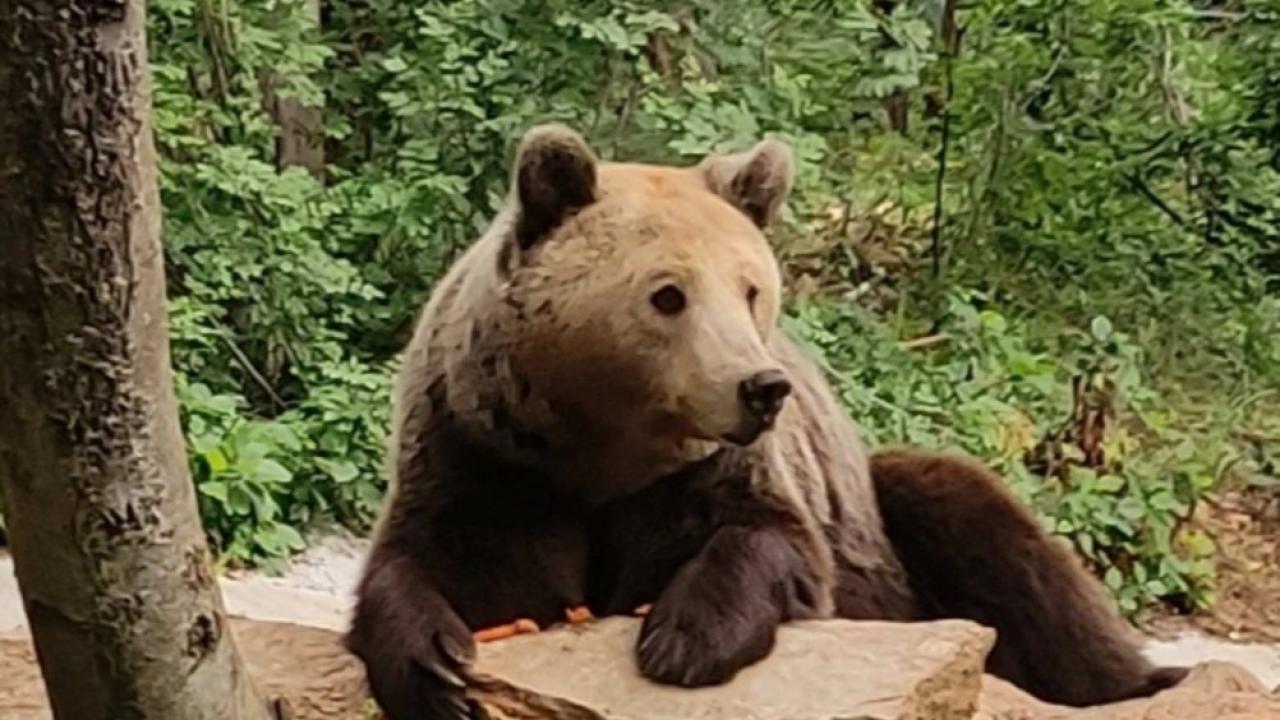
554, 176
757, 181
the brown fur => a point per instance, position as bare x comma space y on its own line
973, 551
556, 442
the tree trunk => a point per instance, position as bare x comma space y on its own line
112, 563
300, 142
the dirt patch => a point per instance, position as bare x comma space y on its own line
22, 692
305, 666
1245, 526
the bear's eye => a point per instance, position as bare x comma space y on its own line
753, 292
669, 300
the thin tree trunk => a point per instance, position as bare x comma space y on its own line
300, 142
112, 563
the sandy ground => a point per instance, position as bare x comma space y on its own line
316, 591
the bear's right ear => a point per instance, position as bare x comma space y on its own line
555, 175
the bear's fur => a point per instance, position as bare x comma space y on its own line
574, 425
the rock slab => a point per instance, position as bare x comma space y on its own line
820, 671
825, 670
1213, 691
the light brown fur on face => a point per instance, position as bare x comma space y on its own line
670, 375
558, 330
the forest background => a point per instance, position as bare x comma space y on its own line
1044, 232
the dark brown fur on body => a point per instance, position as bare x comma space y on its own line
559, 441
501, 543
971, 550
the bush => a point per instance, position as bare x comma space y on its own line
1070, 423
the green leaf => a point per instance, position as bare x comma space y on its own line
214, 489
1132, 508
342, 471
1085, 542
1110, 483
1113, 579
993, 322
290, 537
277, 538
1164, 501
271, 472
1101, 328
239, 499
205, 444
217, 460
1198, 544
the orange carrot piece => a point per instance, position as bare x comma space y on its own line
502, 632
580, 614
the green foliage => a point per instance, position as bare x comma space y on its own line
278, 302
238, 470
343, 423
994, 390
1108, 245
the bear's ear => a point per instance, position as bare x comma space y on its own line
757, 181
555, 175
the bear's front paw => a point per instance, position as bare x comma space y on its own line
692, 643
425, 685
416, 652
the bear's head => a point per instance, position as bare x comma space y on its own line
641, 300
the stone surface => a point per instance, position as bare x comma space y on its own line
819, 671
273, 600
1213, 691
1186, 649
306, 666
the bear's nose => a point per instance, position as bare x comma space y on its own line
764, 392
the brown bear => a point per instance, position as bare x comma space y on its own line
598, 408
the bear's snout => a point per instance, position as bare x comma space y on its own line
761, 397
763, 393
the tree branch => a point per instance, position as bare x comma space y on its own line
244, 362
922, 343
1143, 189
952, 42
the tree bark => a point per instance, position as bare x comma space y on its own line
111, 560
300, 142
